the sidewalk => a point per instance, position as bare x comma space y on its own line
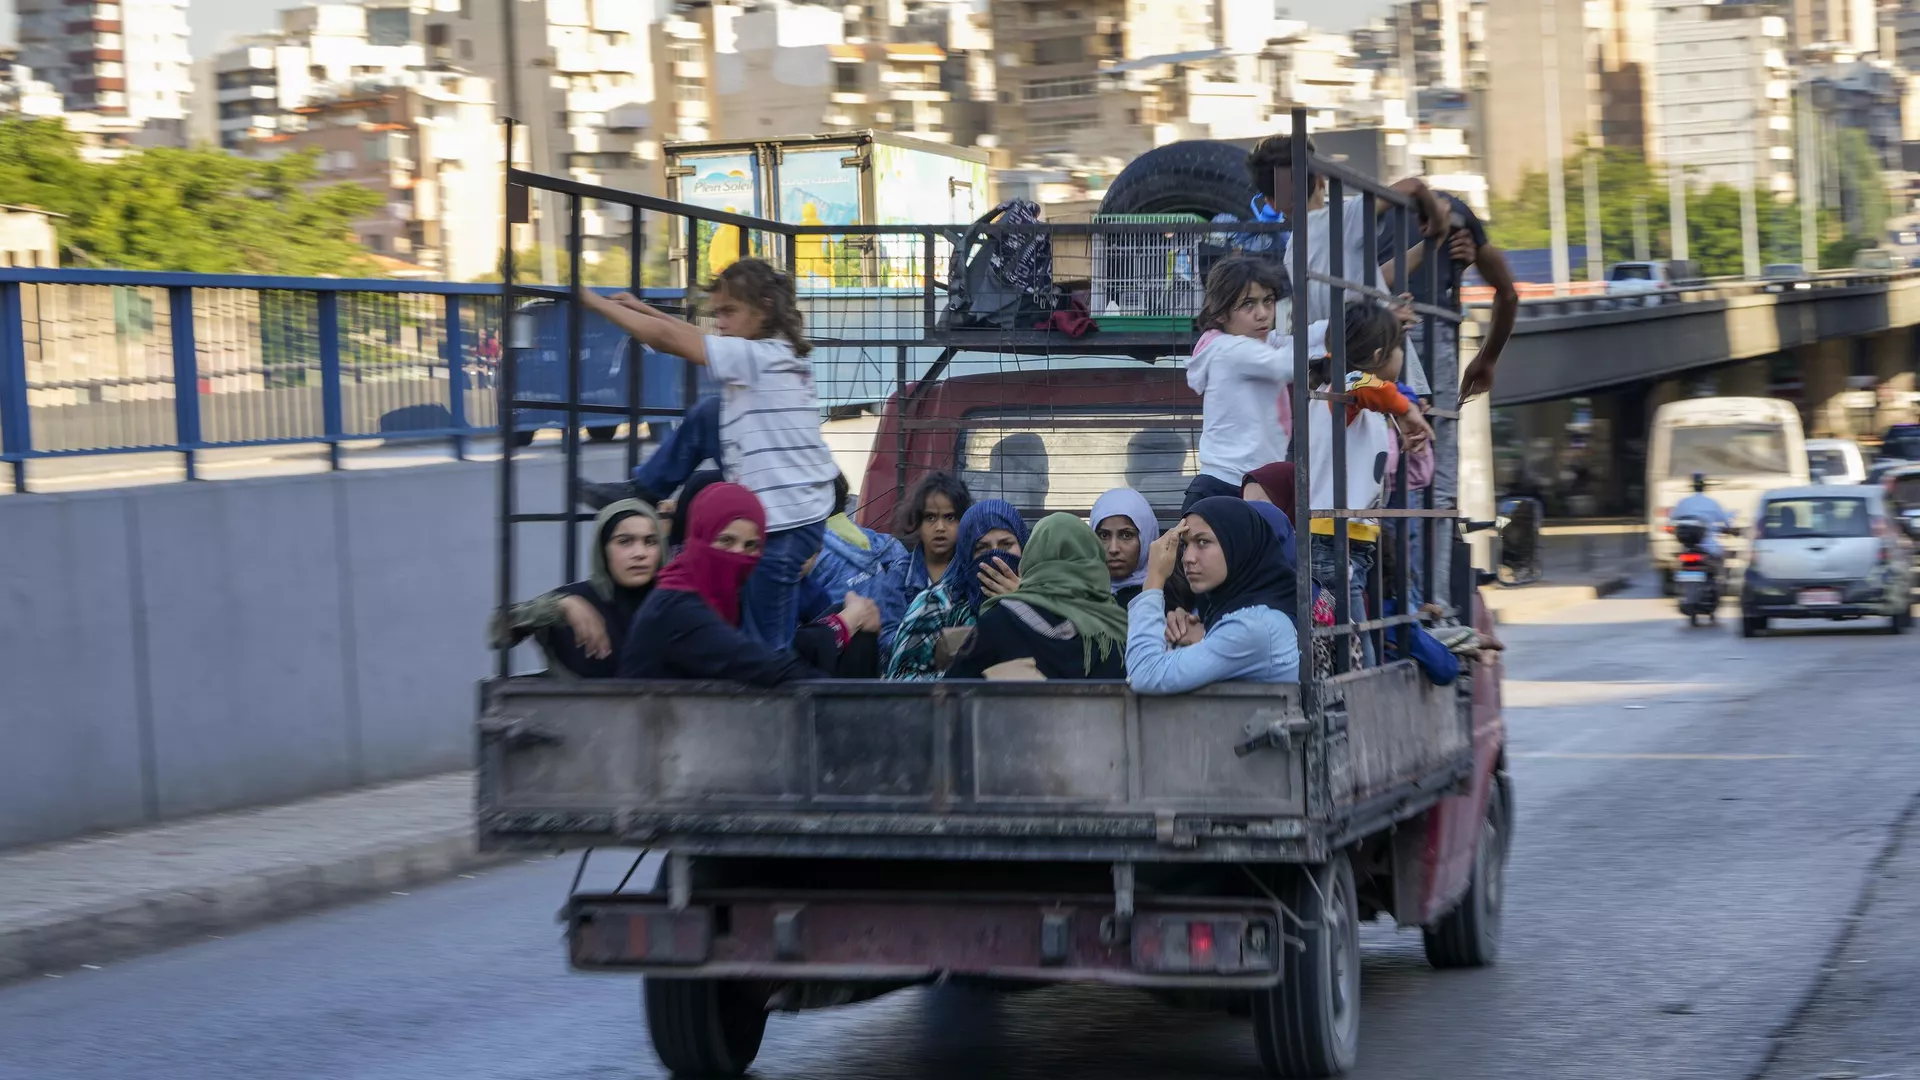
1581, 561
109, 896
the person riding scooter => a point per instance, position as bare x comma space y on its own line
1697, 522
1701, 507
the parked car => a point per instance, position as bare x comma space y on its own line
1873, 259
1836, 461
1781, 277
1827, 552
1630, 278
1901, 483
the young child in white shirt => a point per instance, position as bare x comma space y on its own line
1238, 367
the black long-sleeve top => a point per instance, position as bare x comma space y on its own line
675, 635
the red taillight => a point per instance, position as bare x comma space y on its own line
1691, 558
1200, 945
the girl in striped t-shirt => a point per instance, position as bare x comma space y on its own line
763, 429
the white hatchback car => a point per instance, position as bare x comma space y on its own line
1827, 552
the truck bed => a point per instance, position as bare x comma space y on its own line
974, 770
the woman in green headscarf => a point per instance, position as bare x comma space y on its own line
1062, 618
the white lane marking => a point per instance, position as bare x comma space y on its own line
1571, 755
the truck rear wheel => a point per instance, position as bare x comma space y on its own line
1469, 935
1309, 1025
705, 1027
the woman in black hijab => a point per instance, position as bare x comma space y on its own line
676, 511
583, 626
1244, 591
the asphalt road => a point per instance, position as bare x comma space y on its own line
1698, 818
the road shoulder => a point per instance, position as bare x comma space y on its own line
106, 897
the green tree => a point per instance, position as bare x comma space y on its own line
1627, 182
201, 210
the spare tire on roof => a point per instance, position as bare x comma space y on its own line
1198, 176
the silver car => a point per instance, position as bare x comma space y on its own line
1827, 552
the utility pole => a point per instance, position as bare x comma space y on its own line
1556, 157
1809, 188
1749, 213
1596, 257
1642, 245
536, 142
1676, 207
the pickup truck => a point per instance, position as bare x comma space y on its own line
826, 843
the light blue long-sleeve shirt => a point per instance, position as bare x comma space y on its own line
1250, 645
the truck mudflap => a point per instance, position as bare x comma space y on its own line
1170, 942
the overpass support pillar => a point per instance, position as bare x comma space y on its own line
1824, 370
1893, 370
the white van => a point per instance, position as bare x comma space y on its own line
1745, 446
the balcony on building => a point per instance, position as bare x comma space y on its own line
849, 84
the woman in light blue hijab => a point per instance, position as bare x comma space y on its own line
1125, 524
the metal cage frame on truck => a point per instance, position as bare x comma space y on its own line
828, 841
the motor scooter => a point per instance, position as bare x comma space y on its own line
1699, 577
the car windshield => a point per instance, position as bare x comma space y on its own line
1789, 518
1829, 460
1906, 491
1727, 450
1632, 272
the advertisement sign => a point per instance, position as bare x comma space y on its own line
920, 187
725, 182
816, 189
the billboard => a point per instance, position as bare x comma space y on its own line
726, 182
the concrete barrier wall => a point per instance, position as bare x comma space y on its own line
195, 647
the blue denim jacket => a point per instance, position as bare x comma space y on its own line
1249, 645
878, 572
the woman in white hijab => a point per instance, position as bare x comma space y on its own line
1126, 527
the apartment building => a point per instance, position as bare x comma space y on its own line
580, 76
432, 148
118, 58
1723, 95
1830, 26
1539, 87
683, 87
1056, 59
320, 50
28, 237
1623, 55
25, 94
792, 69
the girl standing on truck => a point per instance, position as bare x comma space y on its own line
1244, 589
764, 429
1238, 367
986, 562
1125, 525
1062, 617
689, 628
929, 524
1374, 407
582, 627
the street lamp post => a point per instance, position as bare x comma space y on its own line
1556, 158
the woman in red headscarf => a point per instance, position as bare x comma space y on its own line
689, 628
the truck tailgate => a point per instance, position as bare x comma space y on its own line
873, 767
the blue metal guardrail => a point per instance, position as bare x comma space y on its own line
112, 362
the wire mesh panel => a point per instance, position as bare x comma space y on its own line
258, 357
1146, 280
98, 367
